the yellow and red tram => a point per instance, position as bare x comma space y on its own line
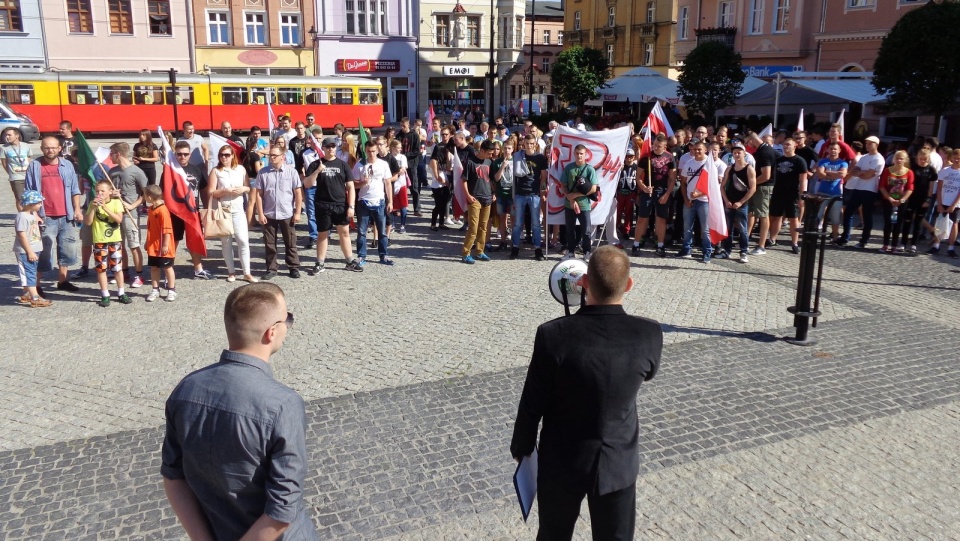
129, 102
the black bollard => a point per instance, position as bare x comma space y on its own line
809, 246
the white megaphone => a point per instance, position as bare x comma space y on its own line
566, 280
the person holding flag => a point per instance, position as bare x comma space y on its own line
657, 174
699, 183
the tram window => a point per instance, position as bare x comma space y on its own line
369, 95
316, 96
148, 95
117, 95
259, 95
17, 94
290, 95
83, 94
184, 95
236, 95
342, 96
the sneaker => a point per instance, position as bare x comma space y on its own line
885, 248
402, 229
952, 254
635, 251
449, 221
40, 302
309, 243
934, 250
482, 257
294, 273
758, 251
434, 228
705, 259
770, 243
202, 274
468, 259
795, 248
386, 261
104, 302
586, 256
538, 254
137, 282
912, 249
64, 286
318, 268
568, 255
744, 258
124, 299
515, 252
171, 296
361, 262
722, 254
684, 254
661, 251
269, 275
862, 245
84, 271
354, 266
901, 249
154, 295
840, 242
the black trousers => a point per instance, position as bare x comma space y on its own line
613, 516
289, 233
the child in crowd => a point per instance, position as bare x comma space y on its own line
400, 198
104, 216
161, 250
28, 247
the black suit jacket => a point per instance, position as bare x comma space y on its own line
583, 382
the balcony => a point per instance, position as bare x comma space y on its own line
724, 34
576, 36
646, 30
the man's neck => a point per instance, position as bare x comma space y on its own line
124, 163
51, 161
259, 353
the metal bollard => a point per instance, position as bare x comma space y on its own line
810, 245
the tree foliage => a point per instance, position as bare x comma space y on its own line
577, 74
919, 62
711, 78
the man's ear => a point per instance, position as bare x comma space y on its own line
629, 284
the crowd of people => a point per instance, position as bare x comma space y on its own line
271, 180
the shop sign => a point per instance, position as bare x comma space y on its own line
769, 71
349, 65
458, 71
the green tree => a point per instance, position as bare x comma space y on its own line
918, 64
578, 73
711, 78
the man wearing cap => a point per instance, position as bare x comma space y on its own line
334, 193
860, 186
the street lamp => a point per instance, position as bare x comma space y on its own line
315, 40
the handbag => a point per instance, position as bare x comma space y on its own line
217, 223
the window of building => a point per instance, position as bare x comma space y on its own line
10, 19
374, 18
546, 37
121, 18
504, 32
290, 29
648, 54
651, 11
383, 18
683, 22
560, 37
781, 15
361, 16
473, 31
351, 17
612, 16
443, 31
610, 55
218, 28
576, 20
545, 65
756, 16
255, 28
14, 94
725, 18
159, 14
861, 3
79, 16
519, 32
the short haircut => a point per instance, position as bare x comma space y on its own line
298, 124
247, 312
181, 144
799, 133
153, 192
317, 131
66, 124
371, 143
834, 144
955, 153
932, 141
487, 145
578, 148
923, 152
104, 181
121, 149
404, 119
857, 146
255, 128
607, 273
187, 123
395, 143
790, 140
661, 138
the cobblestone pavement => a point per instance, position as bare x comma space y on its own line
412, 376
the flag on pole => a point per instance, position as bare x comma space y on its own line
708, 184
178, 197
270, 117
766, 131
218, 142
459, 192
362, 144
843, 127
656, 123
430, 117
800, 122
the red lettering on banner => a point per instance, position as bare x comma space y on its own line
610, 166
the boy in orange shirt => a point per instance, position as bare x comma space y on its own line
161, 251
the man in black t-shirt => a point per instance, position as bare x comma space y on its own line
410, 146
657, 174
785, 201
479, 192
766, 158
527, 190
333, 203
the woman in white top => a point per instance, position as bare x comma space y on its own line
228, 183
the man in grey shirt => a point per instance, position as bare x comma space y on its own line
129, 181
234, 456
279, 201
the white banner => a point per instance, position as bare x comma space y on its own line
605, 152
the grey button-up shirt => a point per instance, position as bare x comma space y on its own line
276, 187
237, 437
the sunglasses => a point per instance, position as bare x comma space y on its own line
225, 155
329, 146
276, 155
183, 154
288, 321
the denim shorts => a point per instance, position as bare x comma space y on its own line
504, 204
60, 236
28, 270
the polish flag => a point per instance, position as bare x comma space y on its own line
430, 116
217, 142
800, 122
843, 127
708, 183
766, 131
459, 192
656, 123
178, 197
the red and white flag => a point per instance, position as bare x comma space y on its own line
708, 183
843, 127
800, 122
656, 123
766, 131
217, 142
179, 198
430, 116
459, 192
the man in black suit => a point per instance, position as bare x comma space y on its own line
583, 382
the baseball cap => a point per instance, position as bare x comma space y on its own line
30, 197
329, 141
631, 152
736, 145
873, 139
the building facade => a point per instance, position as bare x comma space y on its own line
21, 36
849, 37
455, 54
630, 33
375, 39
545, 27
256, 37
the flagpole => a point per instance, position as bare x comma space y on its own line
114, 186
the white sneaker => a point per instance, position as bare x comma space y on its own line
744, 258
586, 257
758, 251
171, 296
568, 255
154, 295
